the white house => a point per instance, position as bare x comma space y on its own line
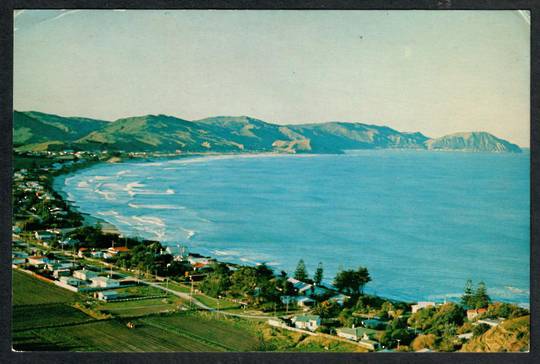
104, 282
306, 289
44, 235
84, 274
107, 295
356, 333
421, 305
307, 322
71, 281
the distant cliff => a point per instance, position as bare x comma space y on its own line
39, 131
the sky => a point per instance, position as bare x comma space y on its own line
437, 72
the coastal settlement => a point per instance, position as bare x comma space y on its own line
141, 282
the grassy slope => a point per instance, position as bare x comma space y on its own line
511, 335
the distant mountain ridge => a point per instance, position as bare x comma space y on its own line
39, 131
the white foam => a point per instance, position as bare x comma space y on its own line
83, 184
102, 178
156, 207
149, 220
111, 196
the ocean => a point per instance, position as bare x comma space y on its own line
421, 222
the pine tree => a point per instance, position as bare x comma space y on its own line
467, 297
301, 273
318, 277
481, 298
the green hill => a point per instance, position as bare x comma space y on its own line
33, 127
38, 131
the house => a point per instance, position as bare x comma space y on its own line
340, 299
104, 282
82, 252
202, 260
307, 322
71, 281
421, 305
55, 265
356, 333
107, 295
98, 254
473, 313
68, 242
38, 260
44, 235
118, 250
306, 289
85, 274
490, 322
61, 273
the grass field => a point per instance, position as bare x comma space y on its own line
28, 290
43, 319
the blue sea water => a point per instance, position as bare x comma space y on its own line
422, 222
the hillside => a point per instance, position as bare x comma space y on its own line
38, 131
36, 128
472, 142
511, 335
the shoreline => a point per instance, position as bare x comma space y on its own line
110, 228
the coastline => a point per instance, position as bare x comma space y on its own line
109, 227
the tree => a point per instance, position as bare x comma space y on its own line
467, 297
480, 297
318, 277
301, 272
352, 281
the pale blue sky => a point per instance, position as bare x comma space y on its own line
434, 72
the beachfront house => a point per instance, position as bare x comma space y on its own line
85, 274
356, 333
107, 295
307, 322
421, 305
104, 282
307, 289
474, 313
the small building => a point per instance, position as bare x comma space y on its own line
474, 313
44, 235
369, 344
71, 281
356, 333
82, 252
38, 260
85, 274
104, 282
117, 250
98, 254
61, 273
421, 305
107, 295
307, 322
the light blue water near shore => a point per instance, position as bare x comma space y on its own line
422, 222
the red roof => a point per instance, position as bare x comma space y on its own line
119, 248
198, 265
83, 249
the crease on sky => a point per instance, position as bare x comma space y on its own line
526, 15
